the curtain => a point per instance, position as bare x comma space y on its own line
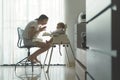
17, 13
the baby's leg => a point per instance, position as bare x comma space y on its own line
50, 41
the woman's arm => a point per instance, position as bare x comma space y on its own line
32, 32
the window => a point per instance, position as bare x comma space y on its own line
17, 13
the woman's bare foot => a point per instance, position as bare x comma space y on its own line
50, 41
33, 59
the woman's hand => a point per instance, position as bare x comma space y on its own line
42, 29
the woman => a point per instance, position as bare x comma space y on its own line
30, 34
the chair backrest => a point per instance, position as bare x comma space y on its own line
20, 37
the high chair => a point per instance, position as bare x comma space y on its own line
61, 39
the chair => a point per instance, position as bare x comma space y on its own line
59, 40
25, 62
20, 43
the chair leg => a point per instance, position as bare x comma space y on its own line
28, 54
32, 67
50, 60
21, 60
28, 51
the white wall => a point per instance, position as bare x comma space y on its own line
73, 8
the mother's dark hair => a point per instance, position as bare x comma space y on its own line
42, 17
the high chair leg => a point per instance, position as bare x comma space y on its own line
49, 60
46, 57
67, 54
72, 51
60, 50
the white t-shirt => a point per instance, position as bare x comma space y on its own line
34, 24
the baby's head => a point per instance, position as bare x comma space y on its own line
60, 25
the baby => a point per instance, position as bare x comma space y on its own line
60, 29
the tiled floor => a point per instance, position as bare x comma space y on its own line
22, 73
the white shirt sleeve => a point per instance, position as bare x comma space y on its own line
29, 25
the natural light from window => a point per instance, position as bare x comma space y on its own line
17, 13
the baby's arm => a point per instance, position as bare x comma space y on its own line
58, 32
